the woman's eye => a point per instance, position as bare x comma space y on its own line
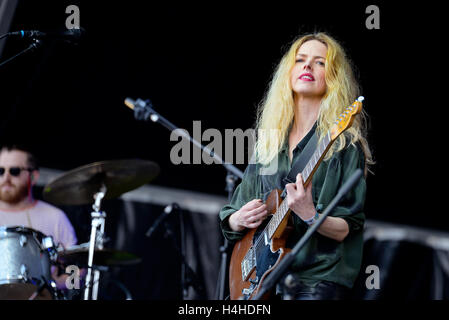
320, 63
299, 60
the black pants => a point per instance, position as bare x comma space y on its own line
325, 290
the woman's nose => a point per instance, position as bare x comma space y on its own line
307, 65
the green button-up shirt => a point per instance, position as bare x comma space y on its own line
321, 258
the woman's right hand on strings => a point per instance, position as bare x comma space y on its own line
251, 215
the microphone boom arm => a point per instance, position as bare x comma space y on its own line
143, 110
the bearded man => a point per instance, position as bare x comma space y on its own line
18, 174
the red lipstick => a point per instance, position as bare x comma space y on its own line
306, 77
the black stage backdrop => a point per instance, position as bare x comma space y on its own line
212, 63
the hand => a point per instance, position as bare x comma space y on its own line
251, 215
61, 280
299, 199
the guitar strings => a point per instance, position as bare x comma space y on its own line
322, 145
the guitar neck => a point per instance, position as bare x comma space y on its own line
307, 174
316, 158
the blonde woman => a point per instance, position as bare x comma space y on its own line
312, 85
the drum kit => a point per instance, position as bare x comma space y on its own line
27, 255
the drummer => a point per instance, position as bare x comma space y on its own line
18, 174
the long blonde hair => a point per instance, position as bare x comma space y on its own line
276, 111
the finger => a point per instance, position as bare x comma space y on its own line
299, 178
309, 187
258, 210
299, 183
254, 224
290, 187
261, 216
253, 204
251, 217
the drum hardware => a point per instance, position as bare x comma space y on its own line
99, 181
23, 240
49, 245
24, 272
44, 284
96, 237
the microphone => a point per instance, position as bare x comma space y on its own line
71, 35
130, 103
142, 109
167, 211
135, 104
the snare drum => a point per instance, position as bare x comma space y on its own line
26, 256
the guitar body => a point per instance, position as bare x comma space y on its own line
244, 285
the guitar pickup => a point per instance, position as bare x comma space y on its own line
248, 264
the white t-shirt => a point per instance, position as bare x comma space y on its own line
43, 217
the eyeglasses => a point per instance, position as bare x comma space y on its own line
14, 171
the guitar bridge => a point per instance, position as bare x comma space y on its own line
247, 292
254, 281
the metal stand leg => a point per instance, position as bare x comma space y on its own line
98, 221
99, 246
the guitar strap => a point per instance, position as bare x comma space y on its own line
303, 159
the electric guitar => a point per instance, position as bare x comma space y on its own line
260, 250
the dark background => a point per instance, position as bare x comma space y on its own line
212, 63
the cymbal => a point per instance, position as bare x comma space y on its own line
102, 257
78, 186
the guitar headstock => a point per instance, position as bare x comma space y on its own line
346, 118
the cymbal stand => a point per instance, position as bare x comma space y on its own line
96, 241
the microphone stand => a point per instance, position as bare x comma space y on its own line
271, 280
143, 110
186, 271
220, 289
36, 43
188, 276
